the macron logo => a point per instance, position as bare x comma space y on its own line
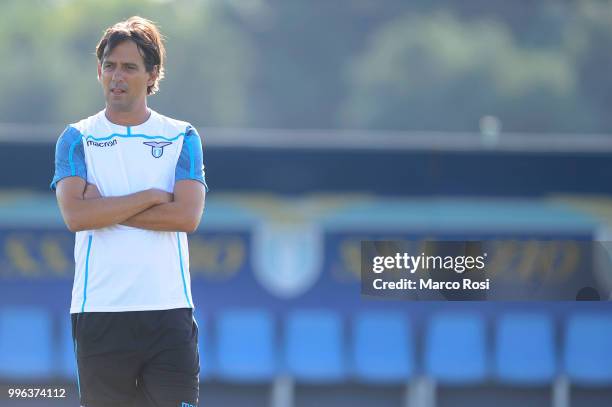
104, 144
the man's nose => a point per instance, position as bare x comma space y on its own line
117, 75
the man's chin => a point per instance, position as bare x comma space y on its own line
118, 106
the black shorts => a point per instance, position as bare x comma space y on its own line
143, 358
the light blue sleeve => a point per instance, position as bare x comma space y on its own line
190, 164
69, 156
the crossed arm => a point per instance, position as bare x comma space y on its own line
83, 208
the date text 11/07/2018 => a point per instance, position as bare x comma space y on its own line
429, 284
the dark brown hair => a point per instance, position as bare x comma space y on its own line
147, 38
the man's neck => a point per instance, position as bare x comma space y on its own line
133, 118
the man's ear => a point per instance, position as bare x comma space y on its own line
99, 72
153, 75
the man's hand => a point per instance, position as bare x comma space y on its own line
91, 192
163, 196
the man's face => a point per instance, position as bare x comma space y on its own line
124, 78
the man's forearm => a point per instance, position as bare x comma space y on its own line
87, 214
172, 216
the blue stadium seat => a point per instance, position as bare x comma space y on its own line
204, 346
455, 349
314, 346
25, 343
67, 365
525, 351
245, 343
382, 347
588, 349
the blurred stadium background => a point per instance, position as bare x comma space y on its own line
327, 124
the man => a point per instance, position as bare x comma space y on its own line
130, 183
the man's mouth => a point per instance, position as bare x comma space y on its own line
117, 91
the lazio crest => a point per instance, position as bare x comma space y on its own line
157, 148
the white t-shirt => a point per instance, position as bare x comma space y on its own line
121, 268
